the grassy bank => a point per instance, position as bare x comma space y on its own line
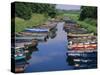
37, 19
89, 24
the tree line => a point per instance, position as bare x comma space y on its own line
88, 12
24, 10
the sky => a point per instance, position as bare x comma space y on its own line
68, 7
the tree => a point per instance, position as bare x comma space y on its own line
88, 12
22, 10
25, 10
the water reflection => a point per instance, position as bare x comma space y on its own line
51, 55
30, 51
83, 62
29, 48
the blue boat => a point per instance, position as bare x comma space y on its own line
82, 54
37, 30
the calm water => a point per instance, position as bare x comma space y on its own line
51, 55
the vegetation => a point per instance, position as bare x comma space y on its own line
32, 14
88, 21
88, 12
24, 10
36, 19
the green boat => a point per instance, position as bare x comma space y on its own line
19, 53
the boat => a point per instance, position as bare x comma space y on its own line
19, 69
71, 35
27, 45
20, 66
31, 46
36, 30
84, 66
83, 40
80, 61
74, 29
82, 46
30, 38
32, 34
86, 54
19, 54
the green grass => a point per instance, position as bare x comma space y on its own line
72, 16
89, 24
37, 19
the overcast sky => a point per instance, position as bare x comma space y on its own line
68, 7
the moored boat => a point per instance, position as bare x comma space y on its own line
32, 34
85, 53
82, 46
71, 35
37, 30
19, 53
28, 38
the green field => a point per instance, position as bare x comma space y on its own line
89, 24
37, 19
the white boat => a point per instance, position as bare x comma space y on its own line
83, 54
18, 53
30, 38
31, 34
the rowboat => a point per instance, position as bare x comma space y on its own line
83, 61
71, 35
32, 34
27, 45
20, 66
36, 30
30, 38
82, 46
19, 53
19, 69
84, 66
86, 54
83, 39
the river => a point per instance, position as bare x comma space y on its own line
51, 55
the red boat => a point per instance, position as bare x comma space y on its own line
82, 46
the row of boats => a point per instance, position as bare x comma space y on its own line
39, 33
82, 46
26, 42
21, 57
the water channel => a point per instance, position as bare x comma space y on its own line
51, 55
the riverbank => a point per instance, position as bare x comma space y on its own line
89, 24
36, 20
